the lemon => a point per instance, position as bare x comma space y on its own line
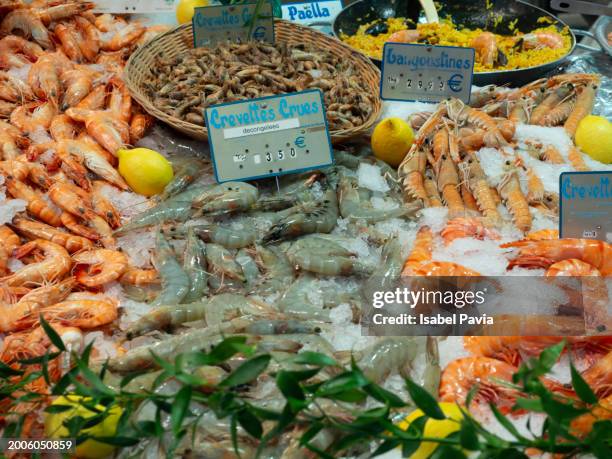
146, 171
434, 428
89, 449
594, 137
391, 140
185, 9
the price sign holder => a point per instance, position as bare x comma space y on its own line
221, 23
426, 73
135, 6
586, 205
269, 136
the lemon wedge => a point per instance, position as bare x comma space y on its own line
594, 137
185, 9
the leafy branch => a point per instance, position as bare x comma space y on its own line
322, 406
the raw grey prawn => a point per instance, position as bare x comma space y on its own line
175, 282
223, 268
224, 235
320, 255
213, 311
278, 272
194, 264
226, 198
310, 217
185, 174
355, 203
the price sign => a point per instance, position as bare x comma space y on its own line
426, 73
135, 6
586, 205
269, 136
214, 24
307, 13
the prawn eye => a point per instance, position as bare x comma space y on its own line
469, 161
507, 163
443, 156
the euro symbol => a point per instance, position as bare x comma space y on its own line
259, 33
299, 142
455, 82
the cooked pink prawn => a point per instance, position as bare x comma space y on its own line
485, 45
102, 266
539, 40
44, 75
104, 127
55, 264
542, 254
126, 36
404, 36
78, 83
18, 51
33, 116
13, 89
90, 44
83, 313
461, 227
63, 128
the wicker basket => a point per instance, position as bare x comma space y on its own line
178, 40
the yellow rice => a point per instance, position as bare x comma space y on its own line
446, 33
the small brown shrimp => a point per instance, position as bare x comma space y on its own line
514, 199
102, 206
576, 158
461, 227
33, 116
62, 128
543, 253
135, 276
55, 264
422, 250
126, 36
448, 184
585, 100
444, 269
37, 205
537, 40
110, 132
103, 266
485, 45
37, 230
90, 45
404, 36
82, 313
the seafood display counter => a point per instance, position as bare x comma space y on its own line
148, 310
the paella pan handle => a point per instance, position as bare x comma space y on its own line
582, 7
598, 37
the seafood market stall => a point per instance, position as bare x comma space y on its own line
228, 250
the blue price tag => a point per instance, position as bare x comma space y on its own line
586, 205
426, 73
307, 13
268, 136
222, 23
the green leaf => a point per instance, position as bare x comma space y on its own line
350, 396
424, 400
262, 413
384, 396
58, 408
559, 411
118, 440
314, 358
511, 453
468, 436
506, 423
289, 386
93, 378
250, 423
234, 434
179, 408
530, 404
550, 356
52, 334
447, 452
247, 372
583, 390
341, 383
226, 349
409, 447
312, 432
7, 371
386, 446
